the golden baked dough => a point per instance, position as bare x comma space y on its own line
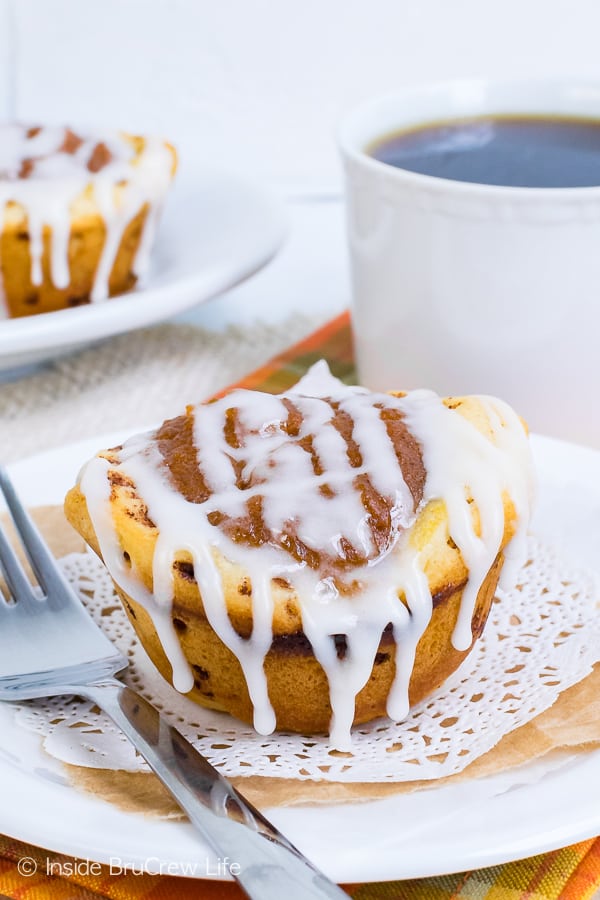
297, 683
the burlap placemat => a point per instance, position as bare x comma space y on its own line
132, 380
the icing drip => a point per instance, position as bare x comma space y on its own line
315, 486
467, 467
46, 171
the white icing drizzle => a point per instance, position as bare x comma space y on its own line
45, 179
97, 492
467, 466
461, 464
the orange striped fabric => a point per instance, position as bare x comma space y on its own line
31, 873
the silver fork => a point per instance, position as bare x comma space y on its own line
50, 646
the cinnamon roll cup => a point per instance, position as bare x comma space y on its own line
78, 215
299, 684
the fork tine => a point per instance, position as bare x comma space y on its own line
16, 579
42, 562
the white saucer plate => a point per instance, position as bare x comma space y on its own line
216, 230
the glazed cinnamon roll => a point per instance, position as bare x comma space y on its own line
315, 559
80, 212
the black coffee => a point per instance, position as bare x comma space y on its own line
519, 151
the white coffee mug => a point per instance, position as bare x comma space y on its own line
472, 288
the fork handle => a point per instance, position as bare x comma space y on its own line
249, 847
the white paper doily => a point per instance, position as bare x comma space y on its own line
541, 638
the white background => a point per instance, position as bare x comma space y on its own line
260, 86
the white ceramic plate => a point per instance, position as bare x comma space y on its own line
469, 825
216, 230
